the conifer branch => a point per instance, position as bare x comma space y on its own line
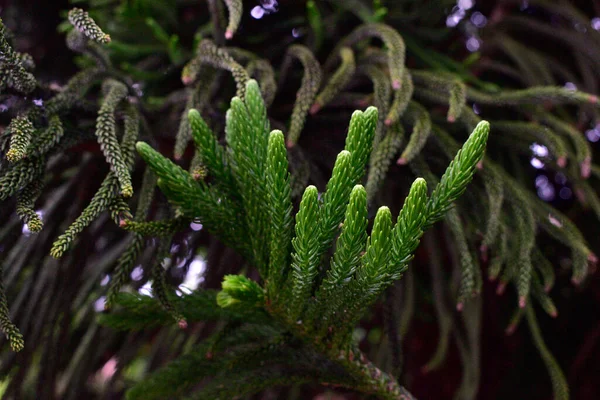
393, 43
305, 97
22, 131
235, 9
306, 255
419, 118
381, 159
13, 73
401, 99
458, 174
209, 53
107, 138
85, 24
12, 333
25, 205
280, 211
559, 383
338, 80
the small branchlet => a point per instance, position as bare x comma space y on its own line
235, 9
15, 338
13, 73
25, 201
85, 24
338, 80
418, 116
209, 53
305, 97
115, 92
393, 43
456, 89
22, 131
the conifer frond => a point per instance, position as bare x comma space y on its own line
280, 211
419, 118
239, 290
107, 138
401, 99
394, 45
338, 80
12, 333
13, 73
25, 205
349, 246
381, 159
456, 89
458, 174
209, 53
156, 228
306, 255
235, 9
559, 383
22, 131
86, 25
305, 97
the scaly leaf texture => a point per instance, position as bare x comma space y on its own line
381, 159
14, 336
19, 175
359, 141
108, 191
458, 174
235, 9
160, 288
262, 71
184, 133
74, 90
48, 138
22, 131
525, 230
86, 25
305, 259
456, 89
247, 129
25, 205
240, 290
382, 92
338, 80
163, 228
305, 97
125, 262
211, 153
401, 99
393, 43
409, 227
280, 211
13, 73
209, 53
378, 256
106, 134
419, 118
196, 200
560, 388
549, 95
335, 200
494, 188
349, 248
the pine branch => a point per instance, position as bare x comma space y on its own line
305, 97
86, 25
